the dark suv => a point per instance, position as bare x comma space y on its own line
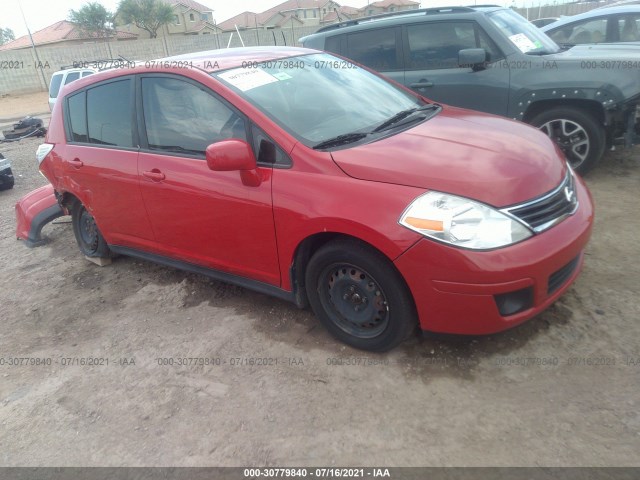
491, 59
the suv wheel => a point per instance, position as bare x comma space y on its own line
577, 134
359, 296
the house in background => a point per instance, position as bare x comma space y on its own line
64, 34
189, 18
388, 6
309, 13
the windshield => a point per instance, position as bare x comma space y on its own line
523, 34
319, 97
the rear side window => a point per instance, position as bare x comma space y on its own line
54, 87
109, 114
71, 77
86, 73
436, 45
332, 44
78, 117
374, 48
181, 117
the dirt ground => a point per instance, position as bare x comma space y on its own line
562, 390
14, 107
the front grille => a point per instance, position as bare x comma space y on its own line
549, 209
559, 278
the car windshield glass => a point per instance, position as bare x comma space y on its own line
523, 34
319, 97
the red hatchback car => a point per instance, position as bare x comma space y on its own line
304, 176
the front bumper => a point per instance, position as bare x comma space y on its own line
481, 292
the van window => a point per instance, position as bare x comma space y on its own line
86, 73
182, 117
374, 48
71, 77
54, 87
109, 114
78, 117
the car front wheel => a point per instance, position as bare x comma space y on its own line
359, 296
577, 134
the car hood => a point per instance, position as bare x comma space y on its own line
611, 51
484, 157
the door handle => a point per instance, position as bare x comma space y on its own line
422, 84
76, 162
155, 175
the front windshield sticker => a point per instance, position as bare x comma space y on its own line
247, 78
523, 42
282, 76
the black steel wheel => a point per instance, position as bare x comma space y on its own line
88, 236
359, 296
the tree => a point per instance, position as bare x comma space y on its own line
6, 35
94, 19
148, 15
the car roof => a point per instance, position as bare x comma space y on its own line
598, 12
223, 59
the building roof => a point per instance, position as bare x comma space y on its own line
62, 31
389, 3
192, 4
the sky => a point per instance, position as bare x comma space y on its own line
41, 13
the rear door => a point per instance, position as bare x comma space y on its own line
431, 66
100, 160
198, 215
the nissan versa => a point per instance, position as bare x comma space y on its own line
302, 175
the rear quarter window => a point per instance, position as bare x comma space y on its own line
54, 86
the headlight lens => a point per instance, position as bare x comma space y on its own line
462, 222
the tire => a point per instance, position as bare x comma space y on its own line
359, 296
577, 134
88, 236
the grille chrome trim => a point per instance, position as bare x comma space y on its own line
548, 210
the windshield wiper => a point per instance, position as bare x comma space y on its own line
404, 114
340, 140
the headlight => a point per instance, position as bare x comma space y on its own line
462, 222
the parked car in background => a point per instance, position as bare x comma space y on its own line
62, 78
603, 25
6, 175
301, 175
493, 60
541, 22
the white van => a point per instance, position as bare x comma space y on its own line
62, 77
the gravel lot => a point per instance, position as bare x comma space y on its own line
433, 401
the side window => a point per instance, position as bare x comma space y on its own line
54, 88
182, 117
589, 31
266, 151
436, 45
86, 73
629, 28
109, 114
71, 77
374, 48
332, 44
78, 117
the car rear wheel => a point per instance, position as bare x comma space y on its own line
88, 236
577, 134
359, 296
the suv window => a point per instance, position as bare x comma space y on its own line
54, 88
182, 117
436, 45
109, 114
71, 77
374, 48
